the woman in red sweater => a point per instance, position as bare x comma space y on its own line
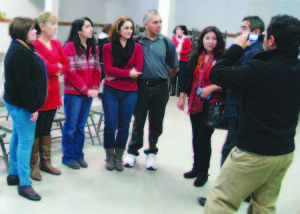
123, 63
81, 86
183, 47
57, 64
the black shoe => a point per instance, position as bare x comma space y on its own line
73, 165
248, 199
200, 180
191, 174
82, 163
202, 201
29, 193
13, 180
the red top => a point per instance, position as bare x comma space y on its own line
186, 48
84, 73
52, 58
119, 78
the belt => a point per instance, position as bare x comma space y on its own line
152, 82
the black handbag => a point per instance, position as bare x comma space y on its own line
215, 117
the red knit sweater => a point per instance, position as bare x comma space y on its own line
119, 78
84, 73
52, 58
186, 48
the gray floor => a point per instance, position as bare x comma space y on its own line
136, 190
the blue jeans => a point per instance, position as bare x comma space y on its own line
118, 106
77, 111
21, 143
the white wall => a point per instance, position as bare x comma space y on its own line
135, 9
228, 14
69, 10
30, 8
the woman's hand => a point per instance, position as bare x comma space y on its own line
34, 116
181, 102
205, 92
59, 72
134, 73
92, 93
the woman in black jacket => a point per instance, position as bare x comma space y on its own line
24, 94
210, 47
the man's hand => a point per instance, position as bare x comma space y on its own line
173, 71
242, 40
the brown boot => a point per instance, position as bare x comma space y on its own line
110, 158
45, 153
34, 172
118, 159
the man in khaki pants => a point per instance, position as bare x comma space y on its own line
270, 100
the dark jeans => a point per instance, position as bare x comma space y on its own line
182, 66
153, 100
201, 142
77, 111
231, 116
44, 123
118, 106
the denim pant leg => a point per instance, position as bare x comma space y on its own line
22, 142
229, 143
182, 67
127, 104
140, 116
72, 106
110, 103
157, 105
80, 133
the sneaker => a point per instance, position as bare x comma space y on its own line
151, 163
130, 160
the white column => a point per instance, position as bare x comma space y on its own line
52, 6
166, 9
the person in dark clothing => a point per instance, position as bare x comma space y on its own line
102, 40
210, 46
24, 93
251, 24
268, 116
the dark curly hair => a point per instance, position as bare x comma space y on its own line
217, 51
182, 27
74, 36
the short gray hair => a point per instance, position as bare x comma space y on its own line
145, 19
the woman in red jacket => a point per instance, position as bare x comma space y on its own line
123, 63
81, 86
57, 64
183, 47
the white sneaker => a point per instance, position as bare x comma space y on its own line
129, 160
151, 163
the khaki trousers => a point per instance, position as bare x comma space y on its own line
244, 174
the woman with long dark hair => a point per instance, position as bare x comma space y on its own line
210, 47
57, 63
81, 86
123, 63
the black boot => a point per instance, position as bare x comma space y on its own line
191, 174
201, 180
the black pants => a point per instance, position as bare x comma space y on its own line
44, 123
153, 100
180, 74
231, 114
201, 142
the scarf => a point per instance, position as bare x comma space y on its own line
196, 103
121, 55
179, 47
